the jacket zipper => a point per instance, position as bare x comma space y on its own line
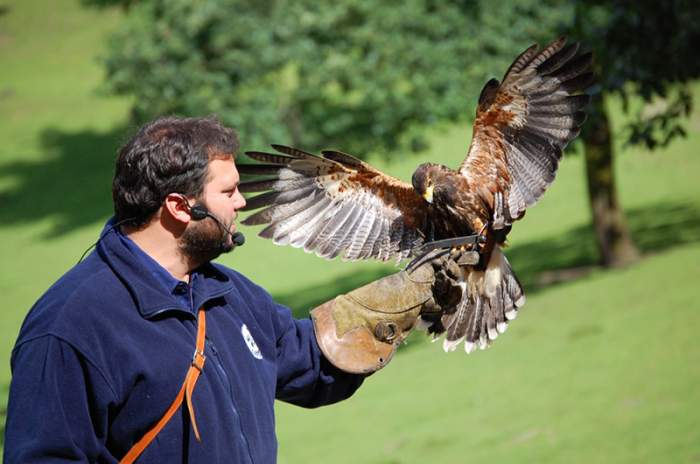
222, 372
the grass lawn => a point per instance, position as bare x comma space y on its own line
601, 368
604, 369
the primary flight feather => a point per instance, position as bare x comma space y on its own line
336, 204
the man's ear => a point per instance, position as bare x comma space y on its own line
177, 207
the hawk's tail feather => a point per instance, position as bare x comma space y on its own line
490, 300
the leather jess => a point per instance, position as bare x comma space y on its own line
185, 392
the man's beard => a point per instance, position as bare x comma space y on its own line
204, 241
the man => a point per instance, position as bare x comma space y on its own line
104, 352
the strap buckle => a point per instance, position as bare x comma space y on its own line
198, 359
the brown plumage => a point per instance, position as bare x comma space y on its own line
337, 204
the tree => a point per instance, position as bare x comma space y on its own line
360, 75
642, 49
365, 75
124, 4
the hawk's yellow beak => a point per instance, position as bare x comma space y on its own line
428, 194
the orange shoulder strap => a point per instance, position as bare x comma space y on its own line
185, 392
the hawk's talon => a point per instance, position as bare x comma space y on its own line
427, 251
481, 237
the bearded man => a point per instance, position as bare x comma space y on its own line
148, 351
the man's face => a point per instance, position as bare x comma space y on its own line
206, 239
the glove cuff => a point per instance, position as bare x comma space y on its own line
357, 351
360, 331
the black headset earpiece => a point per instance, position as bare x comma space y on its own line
199, 212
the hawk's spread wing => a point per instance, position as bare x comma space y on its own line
333, 204
523, 124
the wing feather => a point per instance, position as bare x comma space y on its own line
333, 205
313, 221
285, 211
331, 227
372, 239
360, 235
280, 197
333, 246
258, 169
524, 123
289, 230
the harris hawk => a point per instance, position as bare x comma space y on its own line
337, 205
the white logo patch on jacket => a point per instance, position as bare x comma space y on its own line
250, 341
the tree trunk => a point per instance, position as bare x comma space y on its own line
614, 242
293, 121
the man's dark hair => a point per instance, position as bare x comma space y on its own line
168, 155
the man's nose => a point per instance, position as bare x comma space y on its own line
240, 201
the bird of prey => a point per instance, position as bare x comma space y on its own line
336, 204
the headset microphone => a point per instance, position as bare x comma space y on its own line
199, 212
238, 238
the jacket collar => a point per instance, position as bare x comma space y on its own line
149, 294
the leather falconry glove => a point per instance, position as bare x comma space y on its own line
359, 331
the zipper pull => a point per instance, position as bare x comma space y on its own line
211, 345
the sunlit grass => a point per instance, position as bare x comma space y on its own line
598, 370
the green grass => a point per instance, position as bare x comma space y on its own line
602, 368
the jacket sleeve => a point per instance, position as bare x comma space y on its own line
304, 376
57, 408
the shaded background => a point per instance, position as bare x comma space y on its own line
602, 364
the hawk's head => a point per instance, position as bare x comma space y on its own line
426, 177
